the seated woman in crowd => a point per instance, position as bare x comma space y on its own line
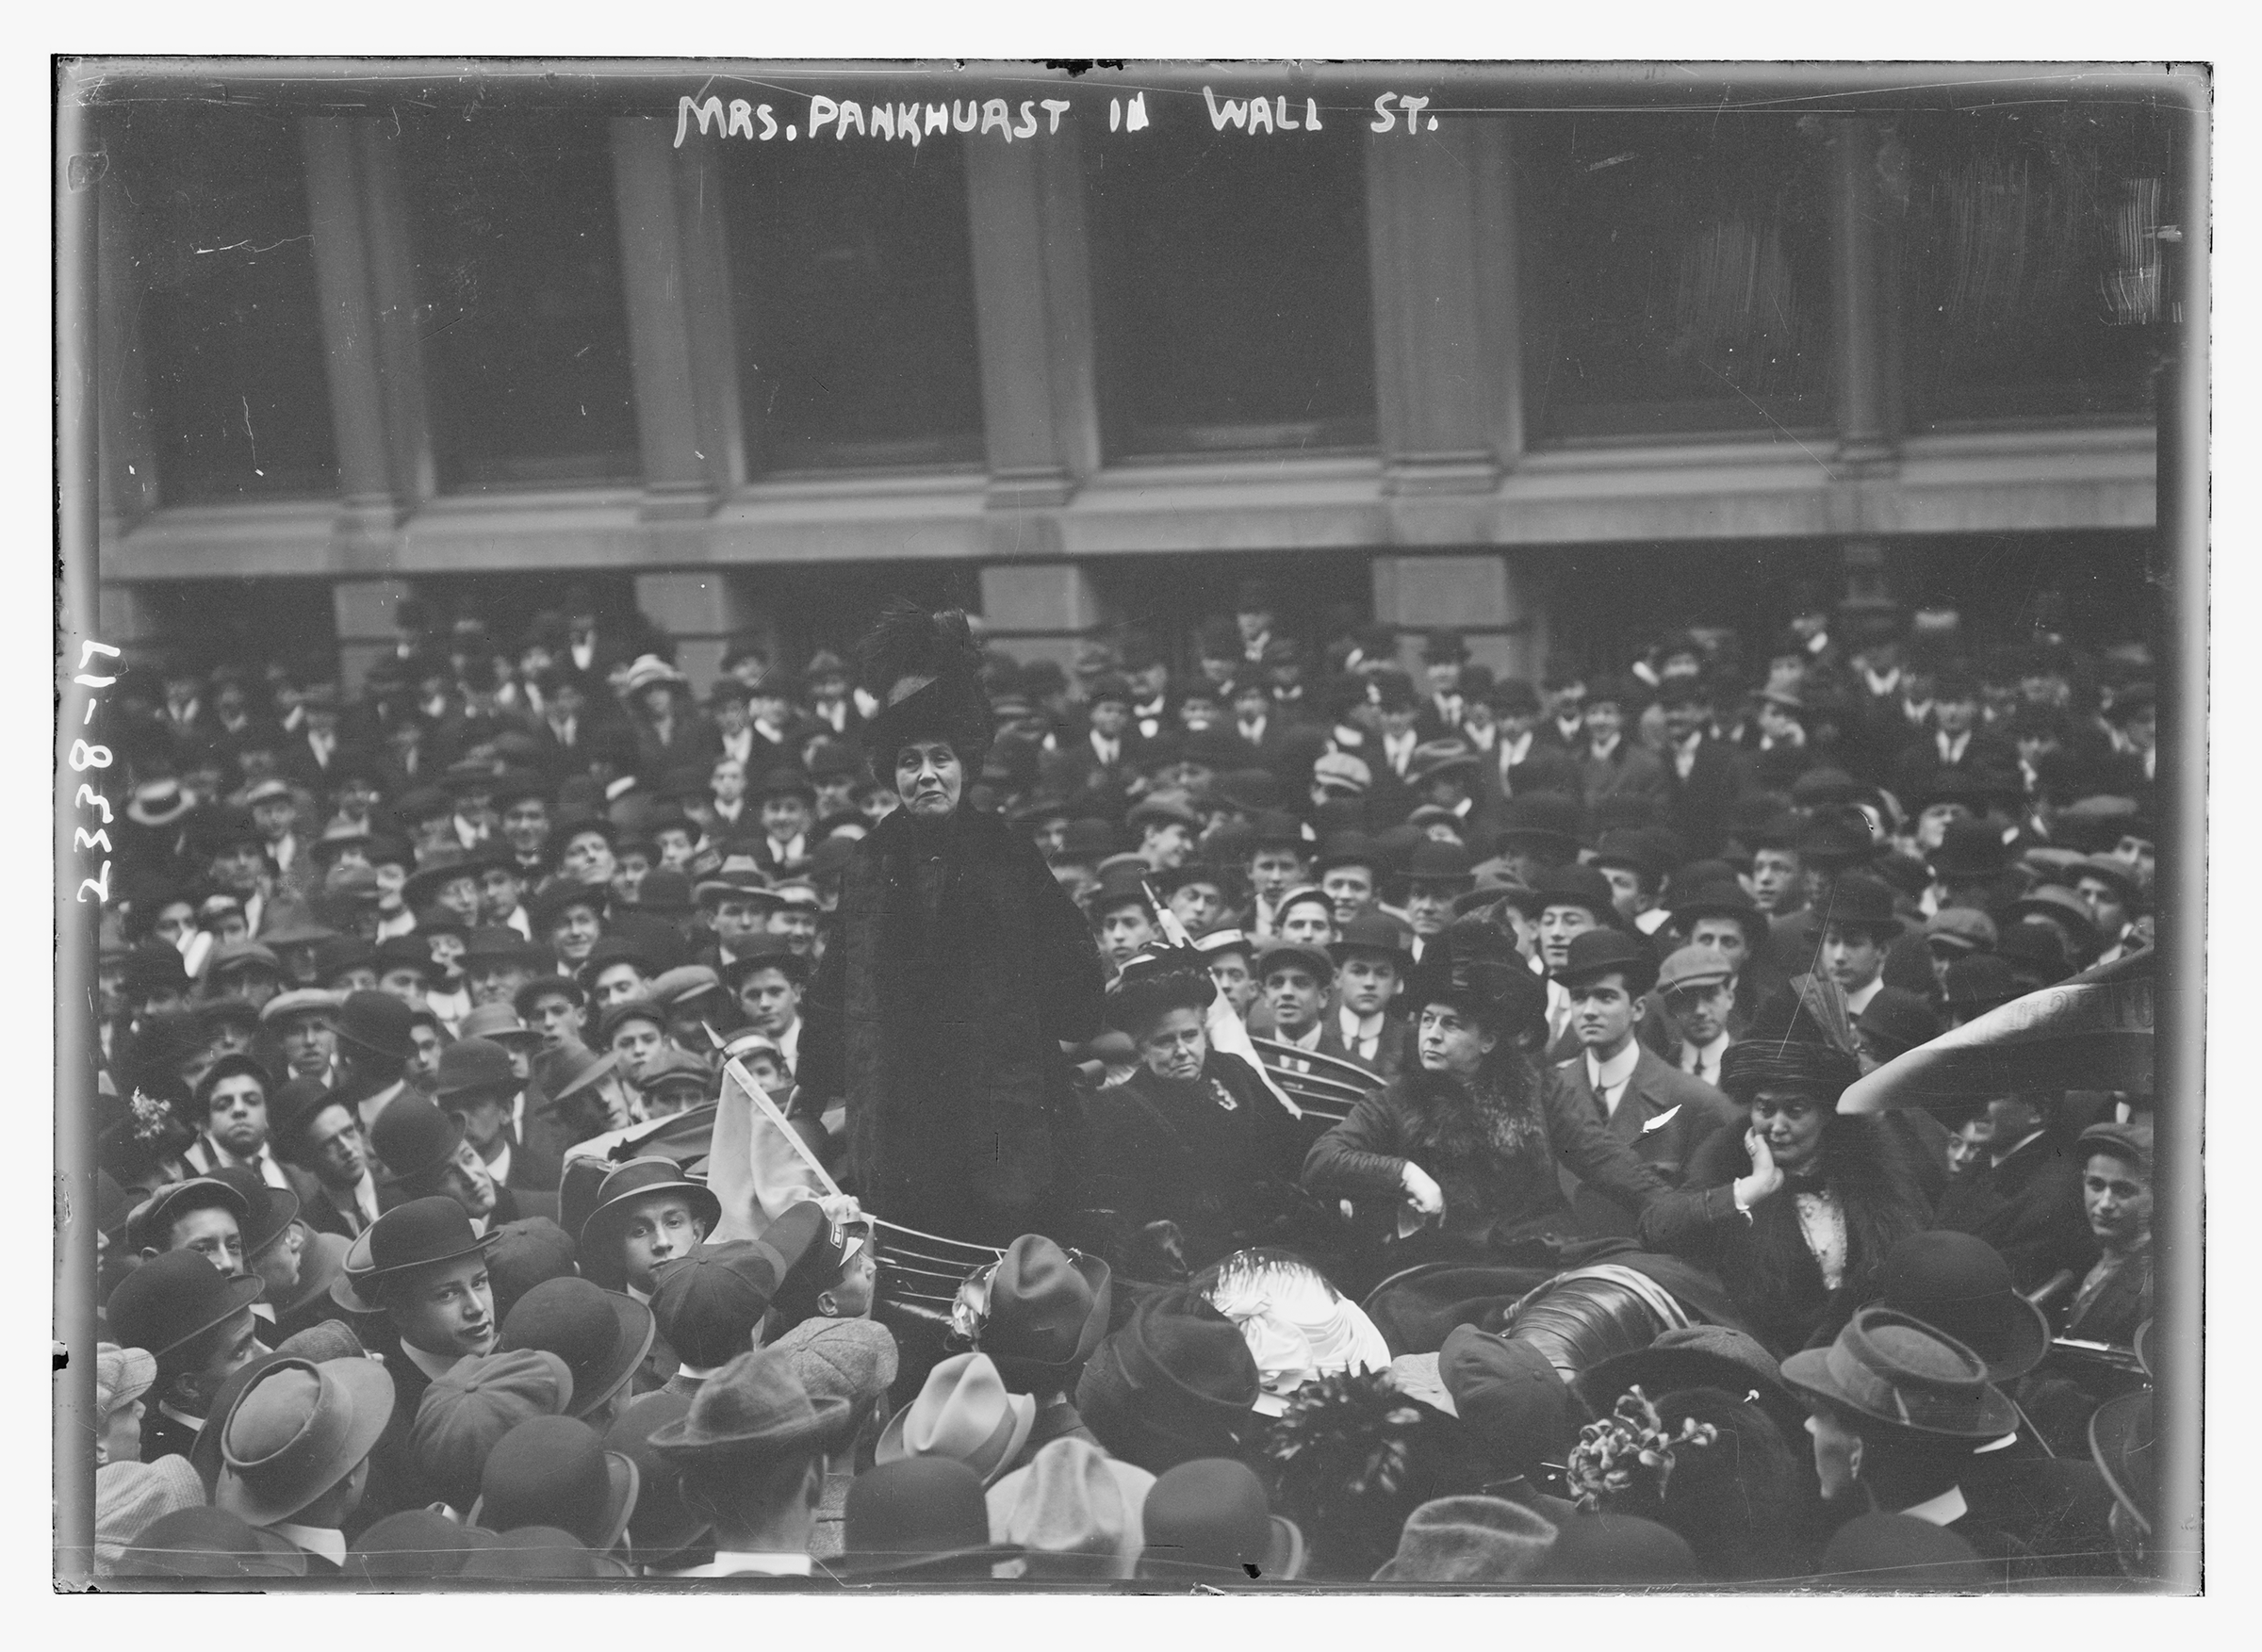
1794, 1213
1468, 1139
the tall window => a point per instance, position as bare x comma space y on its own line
525, 325
2030, 269
1230, 283
229, 328
853, 281
1676, 274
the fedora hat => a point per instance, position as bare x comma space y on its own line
601, 1335
1696, 1356
963, 1412
472, 1405
174, 1299
741, 876
755, 1408
1595, 952
209, 1544
640, 1178
2060, 906
1969, 849
297, 1432
1721, 898
498, 1024
1373, 931
1207, 1520
1072, 1512
1960, 1284
1896, 1369
440, 869
555, 1471
1471, 1541
663, 1524
377, 1021
412, 1138
419, 1233
1549, 818
1176, 1382
1048, 1310
918, 1517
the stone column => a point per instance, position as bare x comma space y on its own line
1038, 611
1440, 242
702, 610
1862, 299
362, 609
1032, 292
1484, 596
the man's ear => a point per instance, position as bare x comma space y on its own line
828, 1305
699, 1228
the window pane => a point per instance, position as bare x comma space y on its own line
1230, 280
1676, 274
853, 281
526, 332
230, 328
2030, 270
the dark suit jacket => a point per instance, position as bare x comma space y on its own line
1630, 771
2029, 1208
1664, 1116
1392, 1050
1918, 765
1700, 806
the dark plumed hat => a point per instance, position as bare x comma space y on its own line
1474, 965
927, 671
1152, 987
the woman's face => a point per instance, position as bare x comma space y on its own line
928, 778
1792, 1126
1450, 1041
1176, 1046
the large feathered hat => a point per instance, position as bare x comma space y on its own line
1474, 965
925, 670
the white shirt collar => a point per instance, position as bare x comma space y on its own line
1307, 1040
1515, 751
434, 1365
2031, 1135
1708, 1056
315, 1540
1945, 1509
194, 1424
1858, 1001
1602, 749
1609, 1075
1358, 1028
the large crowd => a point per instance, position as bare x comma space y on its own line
1332, 1115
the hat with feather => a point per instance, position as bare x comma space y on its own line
925, 670
1475, 967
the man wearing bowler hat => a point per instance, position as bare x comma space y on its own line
750, 1456
313, 1130
198, 1323
479, 1085
1370, 962
424, 1152
603, 1336
648, 1212
375, 1045
1663, 1114
1859, 927
428, 1279
1570, 901
295, 1452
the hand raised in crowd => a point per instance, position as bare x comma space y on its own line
1766, 1177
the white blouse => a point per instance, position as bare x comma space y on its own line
1822, 1224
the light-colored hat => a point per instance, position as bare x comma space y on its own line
1074, 1512
965, 1413
1693, 966
121, 1376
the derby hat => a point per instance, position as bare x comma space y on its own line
1960, 1285
1596, 953
1894, 1368
1895, 1021
1207, 1520
1373, 931
1901, 1552
555, 1471
411, 1138
1723, 898
918, 1517
559, 896
472, 1405
209, 1544
1174, 1382
641, 1178
1969, 849
379, 1023
709, 1305
174, 1299
526, 1253
601, 1335
667, 892
319, 1265
414, 1544
297, 1432
1577, 886
1470, 1540
1835, 837
1048, 1310
964, 1413
1072, 1511
1433, 861
1858, 900
755, 1408
661, 1525
473, 1065
150, 1227
419, 1233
